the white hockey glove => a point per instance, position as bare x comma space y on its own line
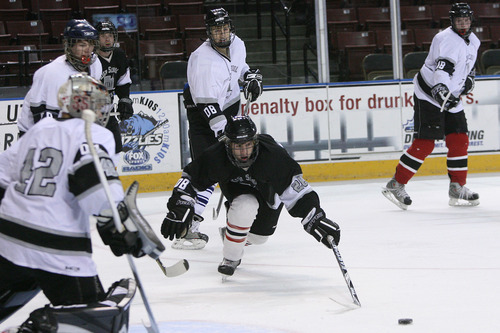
439, 93
252, 84
180, 210
316, 224
127, 241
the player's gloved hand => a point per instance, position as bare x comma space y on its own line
127, 241
469, 84
125, 108
320, 227
252, 84
180, 210
439, 93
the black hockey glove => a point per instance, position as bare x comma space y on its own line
320, 227
125, 108
469, 84
252, 84
180, 210
439, 93
127, 241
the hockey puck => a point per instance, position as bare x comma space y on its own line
405, 321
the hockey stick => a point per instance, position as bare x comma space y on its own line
347, 278
216, 211
89, 117
445, 100
181, 267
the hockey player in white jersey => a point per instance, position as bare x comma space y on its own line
447, 74
212, 94
41, 100
50, 188
258, 178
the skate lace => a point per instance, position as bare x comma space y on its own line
463, 192
399, 190
231, 263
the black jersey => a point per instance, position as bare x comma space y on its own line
274, 176
115, 72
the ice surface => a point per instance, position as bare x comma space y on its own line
436, 264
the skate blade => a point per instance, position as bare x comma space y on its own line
188, 244
462, 202
387, 193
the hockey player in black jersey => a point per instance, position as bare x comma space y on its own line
115, 76
215, 71
258, 178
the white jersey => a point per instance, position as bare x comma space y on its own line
447, 45
214, 78
51, 190
46, 83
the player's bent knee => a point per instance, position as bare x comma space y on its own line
110, 315
256, 239
243, 210
11, 301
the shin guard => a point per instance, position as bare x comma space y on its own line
412, 159
457, 157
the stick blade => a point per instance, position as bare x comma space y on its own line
179, 268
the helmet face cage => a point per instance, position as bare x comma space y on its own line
461, 9
75, 31
106, 27
240, 130
219, 17
82, 92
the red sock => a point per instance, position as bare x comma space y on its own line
457, 157
412, 159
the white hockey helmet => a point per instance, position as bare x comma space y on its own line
81, 92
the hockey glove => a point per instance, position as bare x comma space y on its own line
469, 84
320, 227
439, 93
180, 210
125, 108
127, 241
252, 84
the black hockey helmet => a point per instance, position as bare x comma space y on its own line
219, 17
241, 129
461, 9
79, 30
107, 27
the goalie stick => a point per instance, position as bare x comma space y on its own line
89, 117
343, 269
216, 211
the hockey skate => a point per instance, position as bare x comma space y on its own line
194, 240
227, 267
462, 196
396, 193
